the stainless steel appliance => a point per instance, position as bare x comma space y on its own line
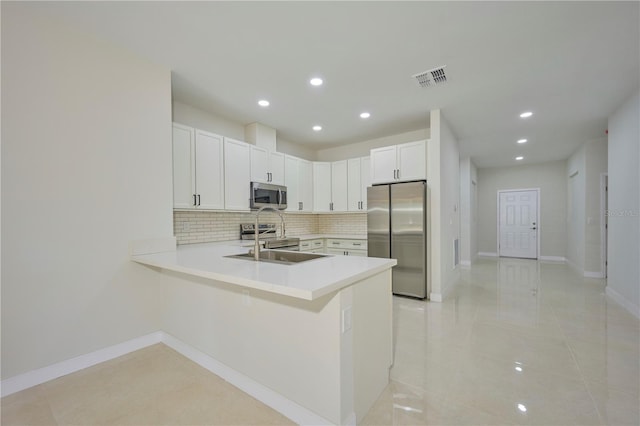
266, 194
267, 234
397, 228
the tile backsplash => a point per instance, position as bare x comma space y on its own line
191, 227
350, 223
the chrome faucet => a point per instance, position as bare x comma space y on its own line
256, 247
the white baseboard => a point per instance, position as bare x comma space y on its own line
44, 374
285, 406
487, 254
590, 274
435, 297
553, 258
624, 302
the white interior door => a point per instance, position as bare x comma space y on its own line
518, 224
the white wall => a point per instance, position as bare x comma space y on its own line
361, 149
550, 178
205, 120
443, 178
623, 281
86, 168
584, 212
576, 172
468, 211
596, 165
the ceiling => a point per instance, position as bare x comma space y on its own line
571, 63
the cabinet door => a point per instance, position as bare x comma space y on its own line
339, 186
209, 171
321, 186
383, 164
305, 185
354, 184
365, 180
412, 161
237, 174
276, 168
184, 184
291, 179
259, 163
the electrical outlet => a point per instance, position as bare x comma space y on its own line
346, 319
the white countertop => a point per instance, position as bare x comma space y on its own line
306, 280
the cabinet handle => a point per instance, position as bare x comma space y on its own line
198, 199
398, 173
331, 206
194, 200
356, 244
299, 205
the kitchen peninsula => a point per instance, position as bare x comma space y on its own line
313, 339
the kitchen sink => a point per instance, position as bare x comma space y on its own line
277, 256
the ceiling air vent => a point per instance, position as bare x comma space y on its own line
431, 77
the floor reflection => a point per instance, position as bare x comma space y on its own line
516, 342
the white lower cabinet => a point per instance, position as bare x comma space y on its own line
347, 247
312, 246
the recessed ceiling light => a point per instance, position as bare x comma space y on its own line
317, 128
526, 114
316, 81
519, 158
522, 141
263, 103
365, 115
522, 408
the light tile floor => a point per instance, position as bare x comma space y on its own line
152, 386
516, 342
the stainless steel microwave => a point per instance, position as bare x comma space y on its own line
266, 194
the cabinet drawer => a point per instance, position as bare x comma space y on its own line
312, 245
345, 252
347, 244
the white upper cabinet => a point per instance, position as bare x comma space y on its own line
399, 163
184, 172
305, 182
291, 180
298, 178
321, 186
276, 167
339, 186
237, 174
357, 182
330, 186
198, 179
267, 166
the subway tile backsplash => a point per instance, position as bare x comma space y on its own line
351, 224
200, 227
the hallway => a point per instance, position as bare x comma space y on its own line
517, 342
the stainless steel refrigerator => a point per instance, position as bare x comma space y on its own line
397, 228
